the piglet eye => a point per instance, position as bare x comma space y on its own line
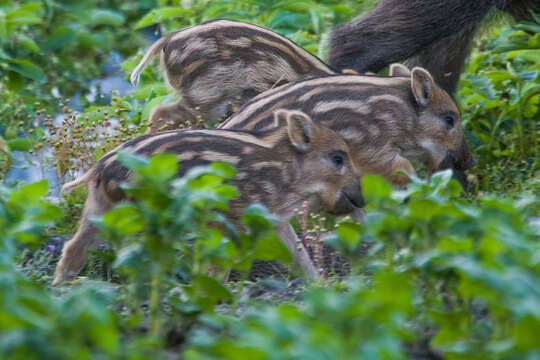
338, 158
450, 121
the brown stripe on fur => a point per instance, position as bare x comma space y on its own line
196, 140
250, 109
235, 28
256, 114
274, 44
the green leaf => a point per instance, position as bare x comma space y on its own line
225, 169
530, 94
529, 27
20, 144
91, 40
476, 62
424, 209
207, 292
453, 326
375, 187
3, 28
152, 90
30, 194
126, 219
25, 15
226, 191
105, 17
132, 161
441, 178
27, 43
153, 103
449, 244
524, 55
258, 217
272, 248
394, 290
350, 234
205, 181
526, 333
499, 76
50, 213
343, 9
158, 15
15, 81
161, 167
26, 68
60, 37
129, 257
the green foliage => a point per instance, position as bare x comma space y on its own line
58, 45
24, 215
167, 242
40, 40
429, 266
172, 231
468, 269
356, 322
500, 98
481, 257
36, 324
10, 21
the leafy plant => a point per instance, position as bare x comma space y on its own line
435, 261
51, 49
468, 255
180, 240
36, 324
354, 321
10, 21
500, 97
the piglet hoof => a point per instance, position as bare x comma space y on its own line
63, 277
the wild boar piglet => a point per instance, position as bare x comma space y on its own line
301, 162
386, 120
220, 64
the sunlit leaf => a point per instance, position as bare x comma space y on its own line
158, 15
105, 17
127, 220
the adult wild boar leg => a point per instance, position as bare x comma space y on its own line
398, 29
288, 236
445, 59
521, 10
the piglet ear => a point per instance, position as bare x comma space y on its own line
422, 85
397, 69
300, 127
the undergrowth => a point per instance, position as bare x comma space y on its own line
432, 273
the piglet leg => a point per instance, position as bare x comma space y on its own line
358, 215
75, 251
288, 236
401, 163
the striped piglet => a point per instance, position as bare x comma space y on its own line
301, 162
220, 64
